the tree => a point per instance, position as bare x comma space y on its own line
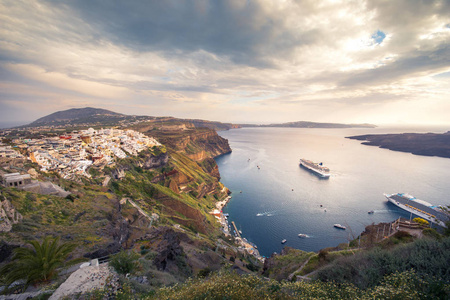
37, 264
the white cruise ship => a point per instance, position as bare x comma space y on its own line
317, 168
419, 208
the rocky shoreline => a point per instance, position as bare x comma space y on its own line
243, 243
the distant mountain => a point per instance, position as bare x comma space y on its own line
305, 124
96, 116
76, 116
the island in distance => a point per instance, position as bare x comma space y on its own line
428, 144
99, 116
306, 124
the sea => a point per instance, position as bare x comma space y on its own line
274, 199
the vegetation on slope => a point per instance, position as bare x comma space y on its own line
229, 285
37, 264
428, 257
83, 218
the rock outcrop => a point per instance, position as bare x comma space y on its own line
157, 161
8, 215
6, 250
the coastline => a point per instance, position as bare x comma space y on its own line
244, 244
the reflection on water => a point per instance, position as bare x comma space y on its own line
280, 200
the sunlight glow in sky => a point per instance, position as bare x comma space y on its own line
232, 61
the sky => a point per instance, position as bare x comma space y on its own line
380, 62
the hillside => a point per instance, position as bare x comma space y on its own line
156, 206
157, 203
89, 116
428, 144
76, 115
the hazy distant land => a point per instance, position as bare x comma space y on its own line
98, 116
306, 124
428, 144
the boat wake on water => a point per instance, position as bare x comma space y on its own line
266, 214
384, 211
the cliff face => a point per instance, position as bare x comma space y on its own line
198, 143
204, 144
8, 215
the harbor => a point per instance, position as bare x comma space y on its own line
281, 200
244, 244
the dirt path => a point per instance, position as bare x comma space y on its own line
299, 269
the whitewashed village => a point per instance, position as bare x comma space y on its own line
70, 155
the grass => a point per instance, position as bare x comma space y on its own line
284, 265
316, 263
52, 215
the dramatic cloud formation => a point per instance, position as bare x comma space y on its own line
234, 61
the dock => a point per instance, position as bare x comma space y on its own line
235, 229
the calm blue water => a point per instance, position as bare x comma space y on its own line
281, 200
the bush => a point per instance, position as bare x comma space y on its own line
124, 262
421, 221
429, 258
431, 232
323, 255
204, 272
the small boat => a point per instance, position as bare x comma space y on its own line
283, 241
339, 226
370, 212
302, 235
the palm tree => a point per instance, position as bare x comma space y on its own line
36, 264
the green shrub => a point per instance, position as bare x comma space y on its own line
429, 258
431, 232
323, 255
204, 272
124, 262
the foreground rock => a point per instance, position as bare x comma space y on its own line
85, 280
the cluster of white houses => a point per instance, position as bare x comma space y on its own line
71, 155
9, 152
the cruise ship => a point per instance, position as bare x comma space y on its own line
419, 208
317, 168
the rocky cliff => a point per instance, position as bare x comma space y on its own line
197, 143
8, 215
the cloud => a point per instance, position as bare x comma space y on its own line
285, 60
249, 32
63, 81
